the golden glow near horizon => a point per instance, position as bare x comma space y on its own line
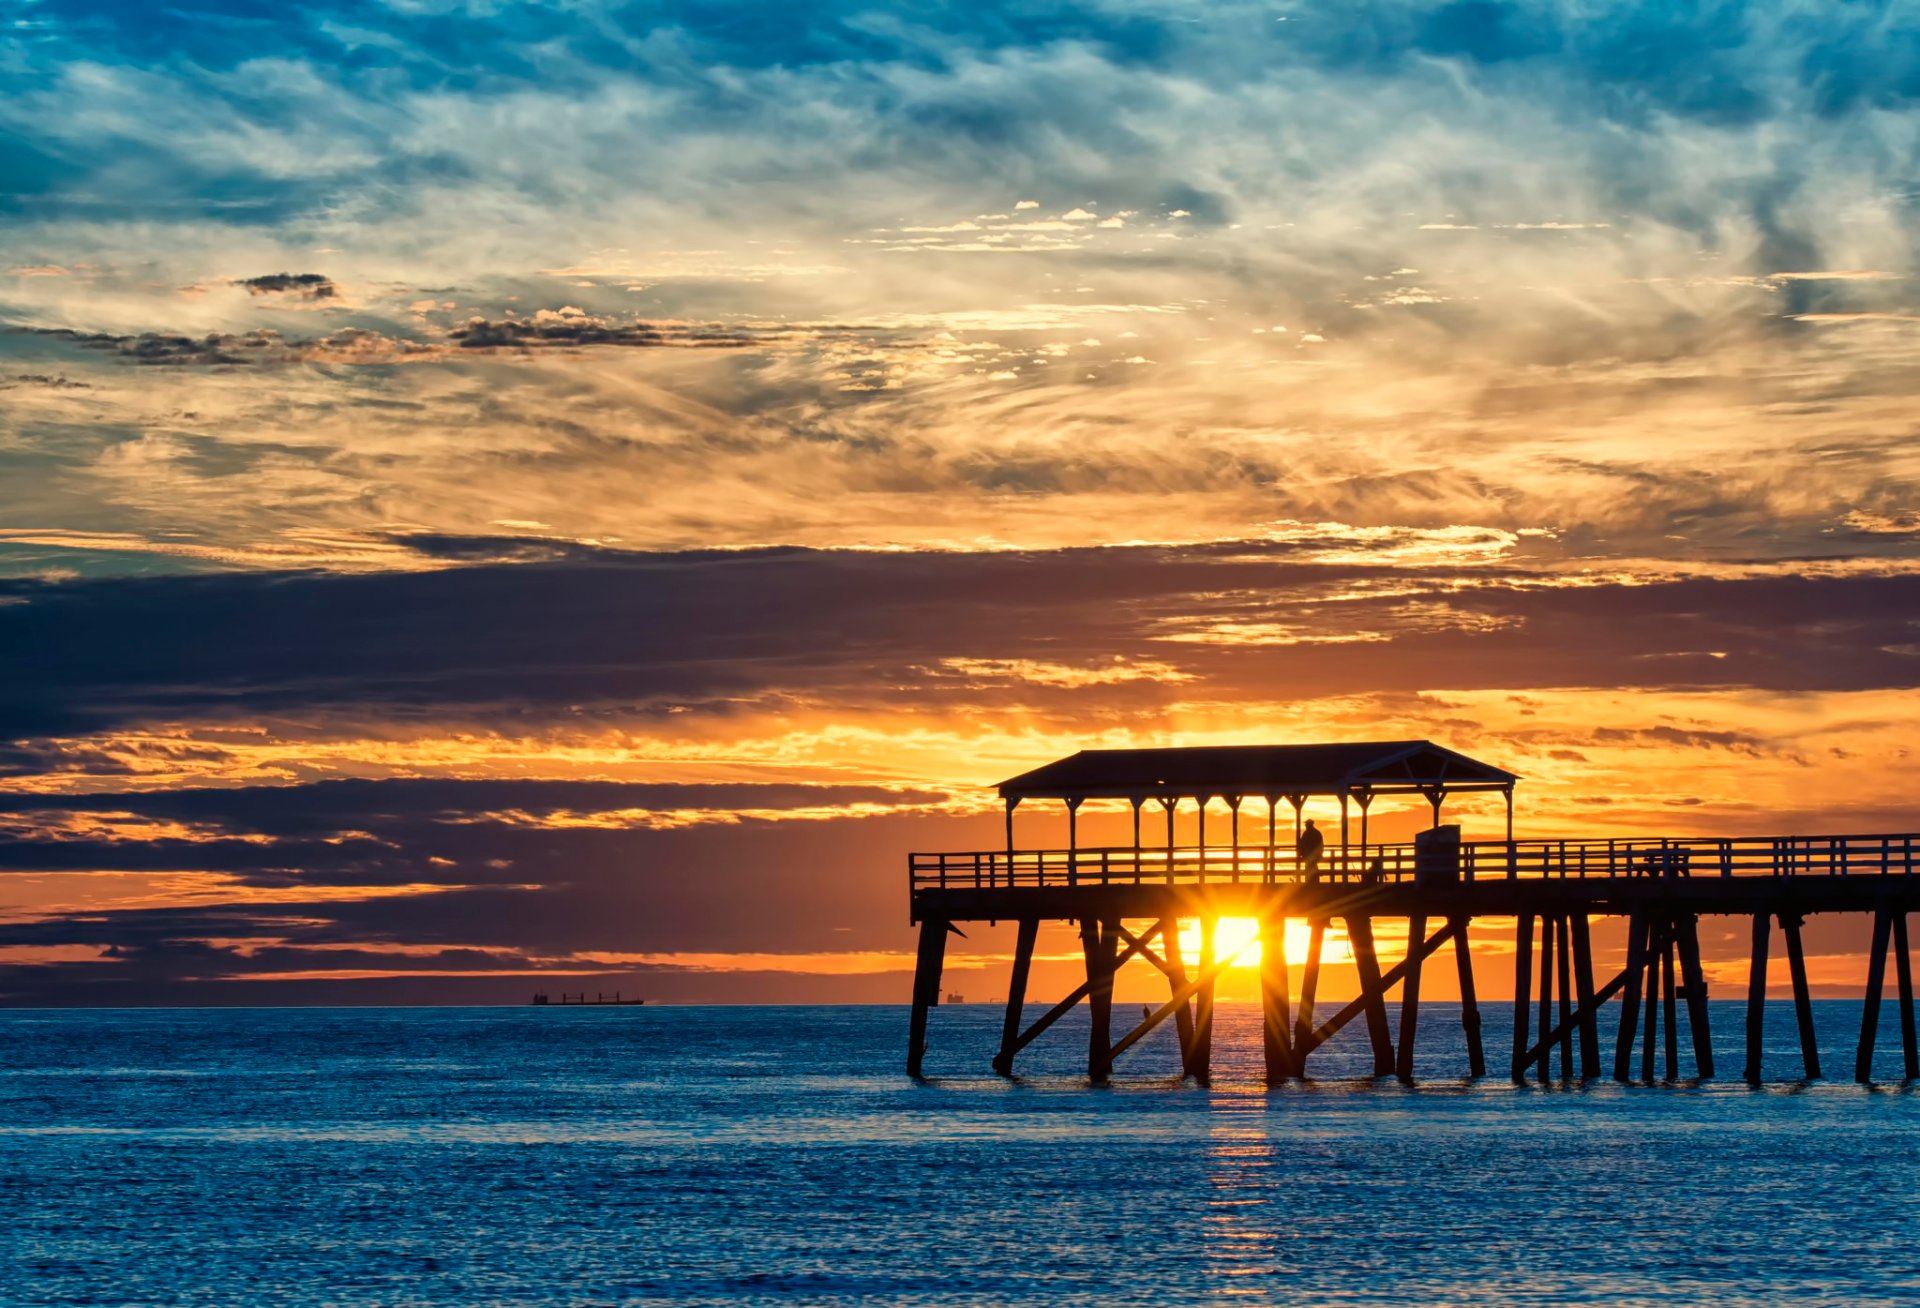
1239, 938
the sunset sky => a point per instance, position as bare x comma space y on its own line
503, 496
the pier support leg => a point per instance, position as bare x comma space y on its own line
1583, 994
1469, 1001
1694, 978
1757, 998
1275, 1006
1656, 949
1309, 987
1367, 963
1200, 1065
1876, 983
1802, 1000
1903, 969
1668, 983
1028, 932
928, 961
1630, 997
1098, 941
1176, 981
1563, 951
1410, 999
1522, 992
1543, 1067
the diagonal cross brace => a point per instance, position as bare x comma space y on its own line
1138, 945
1359, 1004
1172, 1006
1579, 1016
1135, 945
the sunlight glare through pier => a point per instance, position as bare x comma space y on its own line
1235, 932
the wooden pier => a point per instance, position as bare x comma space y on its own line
1129, 903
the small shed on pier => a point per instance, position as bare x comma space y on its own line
1353, 772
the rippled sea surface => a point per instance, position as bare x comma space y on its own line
741, 1155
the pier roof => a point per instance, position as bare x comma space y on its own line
1353, 767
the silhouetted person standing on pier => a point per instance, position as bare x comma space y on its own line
1307, 847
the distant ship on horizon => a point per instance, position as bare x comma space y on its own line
541, 998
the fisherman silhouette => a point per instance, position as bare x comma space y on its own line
1306, 849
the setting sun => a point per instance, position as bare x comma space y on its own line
1239, 938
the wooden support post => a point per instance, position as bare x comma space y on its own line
1802, 1000
1583, 995
1544, 1017
1630, 999
1409, 996
1656, 945
1876, 983
1903, 969
1176, 979
1563, 948
1326, 1030
1668, 999
1200, 1064
1027, 933
926, 989
1575, 1019
1469, 1001
1309, 987
1522, 992
1757, 999
1080, 992
1275, 1006
1098, 941
1367, 963
1694, 977
1173, 1005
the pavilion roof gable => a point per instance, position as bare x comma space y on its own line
1267, 770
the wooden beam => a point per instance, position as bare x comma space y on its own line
1332, 1025
1309, 986
1138, 945
1903, 969
1176, 961
1630, 1000
1694, 977
1522, 991
1668, 999
1469, 1001
1802, 1000
1372, 993
1656, 947
1563, 948
1097, 941
927, 963
1583, 997
1585, 1011
1544, 1017
1757, 999
1024, 938
1275, 1007
1205, 978
1062, 1008
1876, 984
1200, 1063
1410, 998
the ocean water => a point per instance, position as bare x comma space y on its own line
778, 1155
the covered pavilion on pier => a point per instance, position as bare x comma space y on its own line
1354, 774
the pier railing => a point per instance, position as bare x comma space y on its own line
1773, 856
